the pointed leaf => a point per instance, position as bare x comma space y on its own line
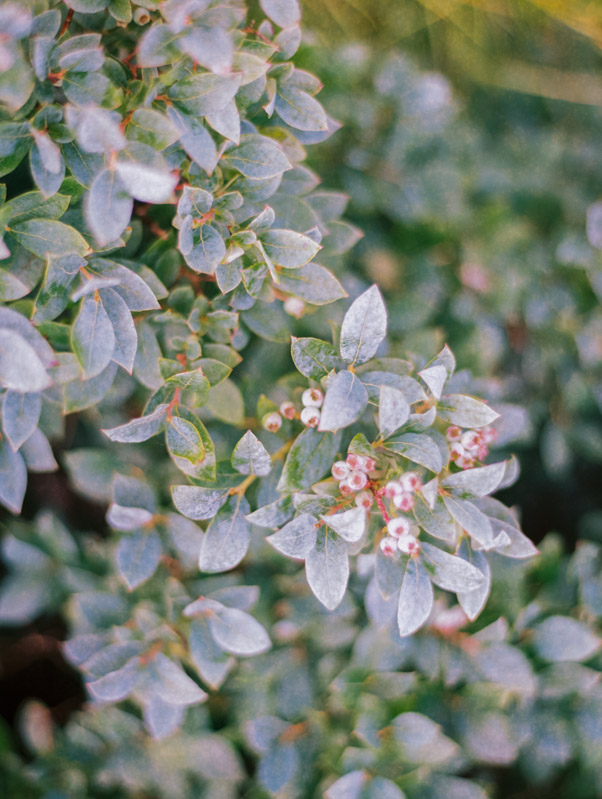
327, 568
297, 537
364, 327
345, 400
251, 457
393, 410
415, 598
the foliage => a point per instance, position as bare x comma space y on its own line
261, 617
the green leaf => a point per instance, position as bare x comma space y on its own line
227, 538
152, 128
560, 638
327, 568
296, 538
92, 337
299, 109
465, 411
256, 157
345, 400
288, 248
364, 327
437, 521
238, 633
139, 429
350, 524
314, 358
108, 207
198, 503
205, 93
393, 410
211, 662
415, 598
285, 13
20, 415
476, 482
126, 338
251, 457
186, 446
44, 237
418, 448
215, 371
21, 368
15, 141
226, 403
450, 572
81, 394
13, 478
33, 205
308, 460
312, 283
158, 47
206, 251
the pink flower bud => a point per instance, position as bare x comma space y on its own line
410, 481
369, 464
355, 461
287, 409
357, 480
345, 488
294, 307
465, 462
398, 526
392, 489
340, 470
364, 500
272, 422
310, 416
408, 544
388, 546
471, 440
312, 398
404, 501
456, 451
453, 433
489, 435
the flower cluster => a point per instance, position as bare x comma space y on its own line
399, 538
469, 446
401, 492
352, 476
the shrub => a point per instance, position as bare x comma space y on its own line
155, 274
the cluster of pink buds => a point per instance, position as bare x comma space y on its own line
312, 399
352, 476
401, 492
399, 538
466, 447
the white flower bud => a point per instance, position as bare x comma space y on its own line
340, 470
404, 501
312, 398
392, 488
410, 481
398, 526
364, 499
388, 546
357, 480
310, 416
408, 544
272, 422
287, 409
293, 306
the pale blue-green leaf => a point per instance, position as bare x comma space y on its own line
423, 740
226, 122
173, 684
299, 109
126, 338
288, 248
344, 402
312, 283
127, 519
205, 93
186, 446
257, 157
435, 378
135, 291
473, 601
161, 718
107, 207
21, 369
152, 128
195, 139
207, 251
347, 787
435, 520
238, 633
226, 540
327, 568
471, 519
250, 456
364, 327
13, 478
116, 685
279, 767
393, 410
389, 572
297, 537
211, 662
285, 13
47, 180
415, 598
450, 572
561, 638
81, 394
97, 129
314, 358
145, 174
20, 415
476, 482
38, 453
146, 363
309, 459
157, 47
273, 515
138, 556
92, 337
418, 448
465, 411
350, 524
198, 503
139, 429
44, 237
